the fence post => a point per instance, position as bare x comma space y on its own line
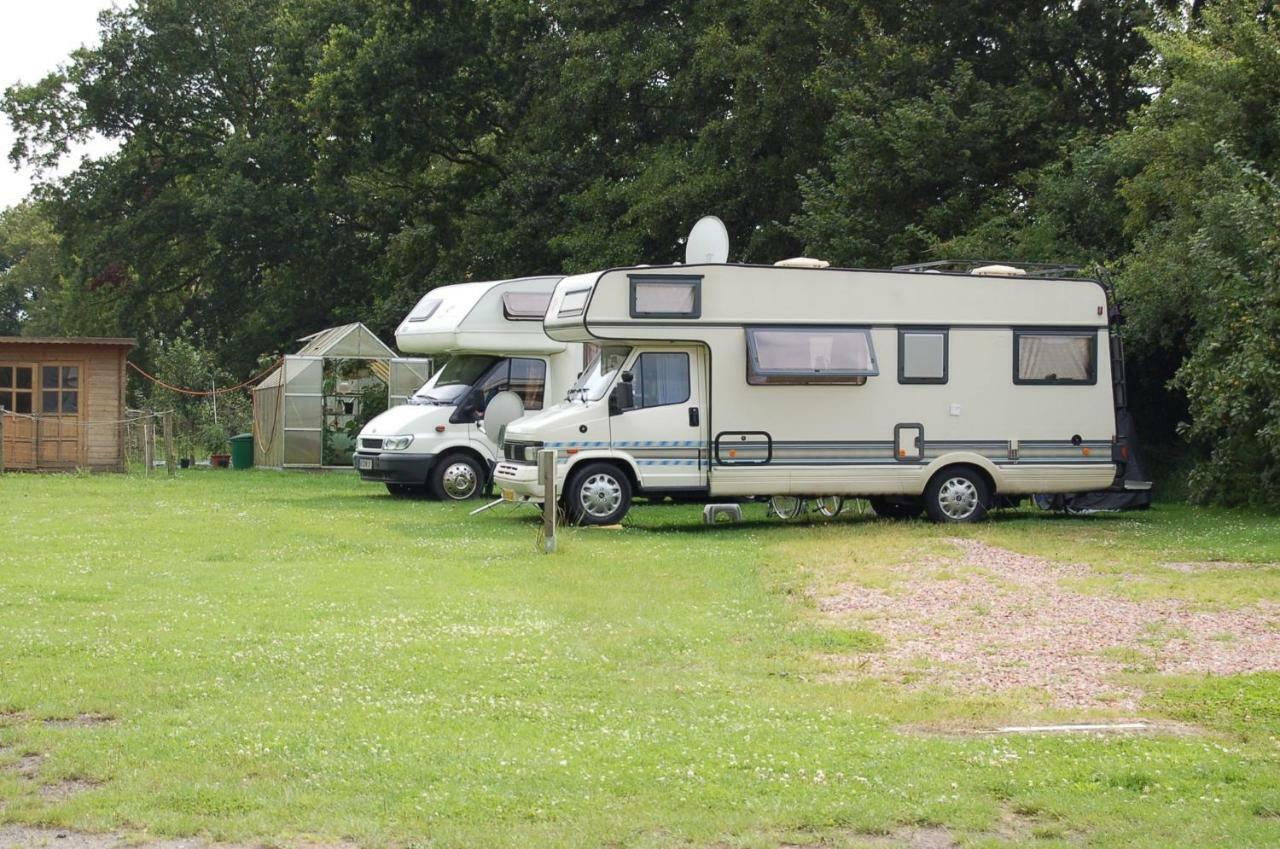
170, 462
148, 445
547, 475
1, 440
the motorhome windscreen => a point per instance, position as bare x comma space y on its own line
799, 355
525, 306
453, 381
425, 309
595, 381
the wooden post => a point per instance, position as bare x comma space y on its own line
547, 474
148, 446
1, 440
170, 461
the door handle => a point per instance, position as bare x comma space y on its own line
693, 417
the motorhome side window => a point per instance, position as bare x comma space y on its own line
922, 355
425, 309
660, 378
1055, 357
799, 355
525, 306
666, 297
573, 303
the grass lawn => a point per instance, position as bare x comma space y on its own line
268, 657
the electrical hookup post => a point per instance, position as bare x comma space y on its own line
547, 475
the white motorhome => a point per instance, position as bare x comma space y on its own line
493, 338
936, 392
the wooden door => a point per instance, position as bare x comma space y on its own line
58, 431
17, 397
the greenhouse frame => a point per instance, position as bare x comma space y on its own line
299, 406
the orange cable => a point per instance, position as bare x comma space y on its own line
206, 392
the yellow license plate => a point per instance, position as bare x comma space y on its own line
508, 495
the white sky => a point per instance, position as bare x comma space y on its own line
35, 37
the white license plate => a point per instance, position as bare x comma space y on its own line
364, 462
508, 495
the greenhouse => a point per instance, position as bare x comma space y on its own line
308, 411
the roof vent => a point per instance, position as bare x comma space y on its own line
997, 271
802, 262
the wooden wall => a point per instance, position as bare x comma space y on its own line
92, 440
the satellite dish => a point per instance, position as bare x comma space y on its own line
708, 242
503, 409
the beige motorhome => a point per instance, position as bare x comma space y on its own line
934, 392
492, 338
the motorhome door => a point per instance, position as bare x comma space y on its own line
659, 417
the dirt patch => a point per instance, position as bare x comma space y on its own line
1190, 568
83, 720
995, 620
27, 765
26, 837
63, 790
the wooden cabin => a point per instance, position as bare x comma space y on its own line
63, 400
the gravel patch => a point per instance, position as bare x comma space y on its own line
994, 620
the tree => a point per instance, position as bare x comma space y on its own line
30, 272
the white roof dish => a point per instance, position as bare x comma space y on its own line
497, 316
802, 262
998, 271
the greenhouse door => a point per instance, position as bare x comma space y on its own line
407, 377
303, 408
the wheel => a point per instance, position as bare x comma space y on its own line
406, 490
957, 495
895, 508
456, 477
785, 506
599, 494
829, 505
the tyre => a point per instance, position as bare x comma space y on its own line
598, 494
456, 477
406, 490
887, 507
957, 495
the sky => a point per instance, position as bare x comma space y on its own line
35, 37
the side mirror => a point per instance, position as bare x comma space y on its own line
626, 377
621, 399
468, 408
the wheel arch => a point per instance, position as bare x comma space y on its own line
975, 462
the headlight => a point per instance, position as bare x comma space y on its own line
531, 452
396, 443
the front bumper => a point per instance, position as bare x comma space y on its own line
384, 467
520, 478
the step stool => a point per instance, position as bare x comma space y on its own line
714, 512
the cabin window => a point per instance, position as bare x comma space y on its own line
525, 306
667, 296
60, 390
17, 388
522, 375
573, 303
922, 355
799, 355
425, 309
1055, 357
660, 378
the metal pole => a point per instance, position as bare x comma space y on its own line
170, 462
547, 475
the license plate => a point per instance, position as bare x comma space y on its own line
508, 495
364, 462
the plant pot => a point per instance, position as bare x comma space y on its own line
220, 461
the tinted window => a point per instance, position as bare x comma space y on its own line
525, 306
665, 298
809, 355
660, 378
1054, 357
923, 356
528, 380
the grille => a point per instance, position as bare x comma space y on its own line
370, 443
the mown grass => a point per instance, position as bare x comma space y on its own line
289, 655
